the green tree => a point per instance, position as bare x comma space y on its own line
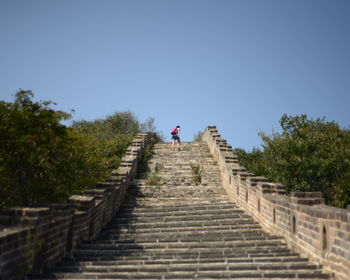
110, 136
123, 123
41, 160
308, 155
252, 161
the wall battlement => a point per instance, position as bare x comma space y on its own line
35, 239
316, 231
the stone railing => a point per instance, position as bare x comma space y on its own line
316, 231
35, 239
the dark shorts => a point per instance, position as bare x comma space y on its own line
175, 137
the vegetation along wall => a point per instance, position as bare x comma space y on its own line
315, 230
33, 239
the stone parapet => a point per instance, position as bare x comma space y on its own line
316, 231
35, 239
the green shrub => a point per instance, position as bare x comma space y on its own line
196, 174
308, 155
154, 179
112, 136
41, 160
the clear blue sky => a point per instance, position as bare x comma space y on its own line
238, 65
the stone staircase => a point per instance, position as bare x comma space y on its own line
183, 228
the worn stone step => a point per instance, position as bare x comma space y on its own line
184, 237
181, 231
187, 256
122, 219
191, 242
187, 218
187, 221
129, 234
202, 274
164, 268
175, 226
129, 231
177, 251
124, 231
213, 199
244, 259
178, 211
206, 186
220, 267
175, 200
216, 198
175, 167
234, 217
156, 207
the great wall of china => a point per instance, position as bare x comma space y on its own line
226, 224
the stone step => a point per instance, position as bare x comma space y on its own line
169, 190
186, 207
184, 218
193, 250
181, 231
178, 225
235, 259
197, 204
180, 210
129, 231
217, 231
144, 201
193, 267
193, 256
203, 274
171, 238
185, 169
189, 242
184, 233
174, 168
177, 210
187, 256
164, 217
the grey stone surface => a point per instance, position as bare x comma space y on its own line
180, 230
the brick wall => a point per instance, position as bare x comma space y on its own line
316, 231
34, 239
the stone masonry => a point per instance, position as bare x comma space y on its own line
318, 232
35, 239
178, 222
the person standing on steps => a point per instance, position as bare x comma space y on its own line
176, 137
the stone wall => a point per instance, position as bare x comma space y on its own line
34, 239
316, 231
